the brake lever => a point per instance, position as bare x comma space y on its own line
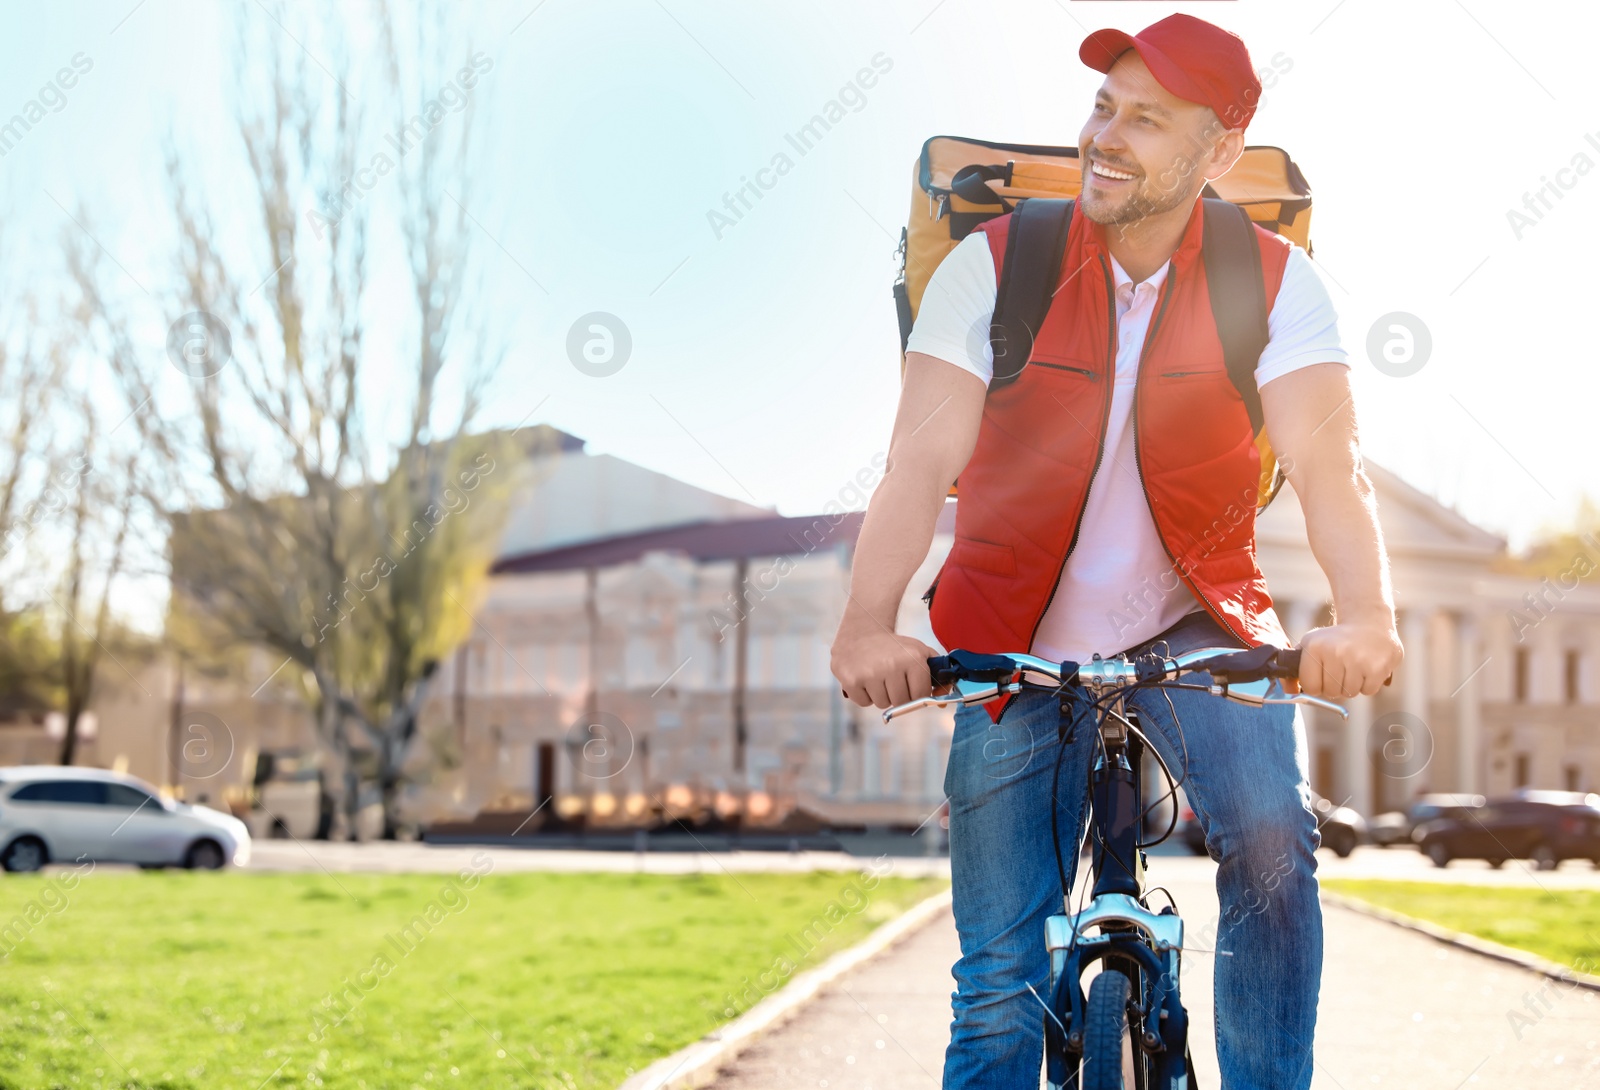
963, 692
1271, 691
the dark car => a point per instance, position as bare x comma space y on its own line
1546, 827
1341, 827
1396, 826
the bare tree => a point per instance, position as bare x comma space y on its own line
97, 547
37, 482
335, 507
32, 364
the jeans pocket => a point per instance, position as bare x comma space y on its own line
966, 722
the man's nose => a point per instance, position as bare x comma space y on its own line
1109, 137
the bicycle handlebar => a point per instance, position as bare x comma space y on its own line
1247, 677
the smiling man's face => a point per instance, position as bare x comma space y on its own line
1144, 150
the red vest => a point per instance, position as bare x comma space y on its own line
1042, 437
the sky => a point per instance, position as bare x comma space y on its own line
762, 356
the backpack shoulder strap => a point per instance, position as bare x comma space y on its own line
1232, 256
1035, 241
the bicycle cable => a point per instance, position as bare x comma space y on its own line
1173, 783
1094, 706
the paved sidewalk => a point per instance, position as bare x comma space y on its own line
1397, 1009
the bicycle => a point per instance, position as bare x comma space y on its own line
1132, 1020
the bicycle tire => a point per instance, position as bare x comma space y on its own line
1105, 1032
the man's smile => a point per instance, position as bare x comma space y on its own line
1104, 173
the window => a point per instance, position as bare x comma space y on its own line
120, 794
1522, 770
1574, 675
79, 792
1519, 682
1571, 772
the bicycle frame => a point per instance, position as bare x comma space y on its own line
1143, 945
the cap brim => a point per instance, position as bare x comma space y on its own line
1101, 49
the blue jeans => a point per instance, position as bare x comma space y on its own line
1247, 783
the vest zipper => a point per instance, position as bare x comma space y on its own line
1100, 448
1062, 367
1144, 353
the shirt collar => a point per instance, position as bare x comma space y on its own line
1119, 276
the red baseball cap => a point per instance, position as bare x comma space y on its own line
1195, 60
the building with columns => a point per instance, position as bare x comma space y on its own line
1497, 689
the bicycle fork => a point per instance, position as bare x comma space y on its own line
1143, 945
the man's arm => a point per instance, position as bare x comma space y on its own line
935, 429
1310, 419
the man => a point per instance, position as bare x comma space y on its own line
1107, 502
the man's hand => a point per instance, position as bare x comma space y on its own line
877, 668
1348, 660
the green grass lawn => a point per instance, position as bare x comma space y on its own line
247, 980
1561, 925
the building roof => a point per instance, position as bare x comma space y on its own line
707, 539
575, 498
1414, 523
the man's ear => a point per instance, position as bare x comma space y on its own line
1224, 153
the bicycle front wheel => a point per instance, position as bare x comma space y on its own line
1108, 1049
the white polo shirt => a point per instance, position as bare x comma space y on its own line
1118, 588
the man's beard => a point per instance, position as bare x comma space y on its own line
1133, 208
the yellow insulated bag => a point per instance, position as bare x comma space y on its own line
959, 183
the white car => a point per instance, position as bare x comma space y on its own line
56, 814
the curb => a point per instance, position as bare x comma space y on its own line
1482, 947
699, 1064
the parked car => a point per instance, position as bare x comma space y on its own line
1546, 827
50, 814
1396, 826
287, 798
1341, 827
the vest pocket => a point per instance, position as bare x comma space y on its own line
1194, 374
968, 552
1063, 367
1061, 361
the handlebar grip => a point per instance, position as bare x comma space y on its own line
1287, 665
942, 670
1256, 663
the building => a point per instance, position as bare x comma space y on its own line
642, 647
1497, 691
